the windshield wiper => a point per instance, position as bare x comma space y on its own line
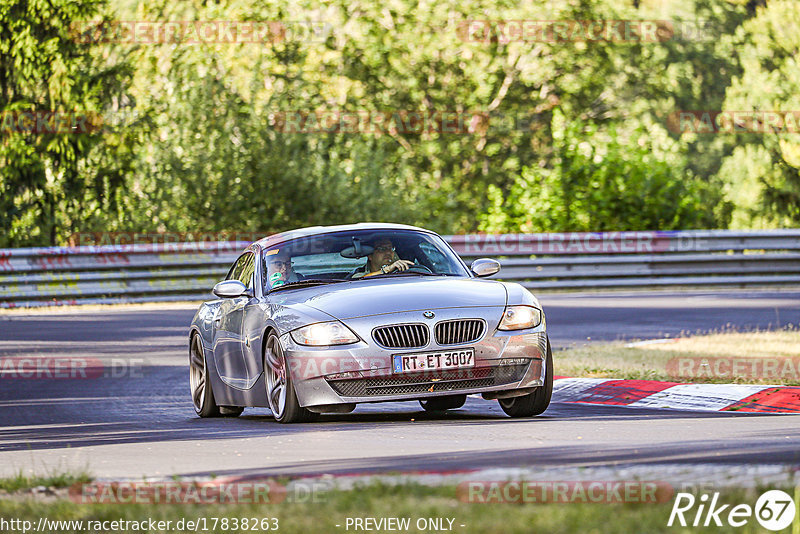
308, 283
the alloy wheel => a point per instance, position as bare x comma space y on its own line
275, 370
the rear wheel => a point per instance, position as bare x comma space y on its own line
440, 404
202, 396
536, 402
280, 390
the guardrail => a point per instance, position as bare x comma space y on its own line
187, 271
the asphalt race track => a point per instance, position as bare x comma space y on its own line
138, 421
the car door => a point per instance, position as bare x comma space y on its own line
228, 332
256, 316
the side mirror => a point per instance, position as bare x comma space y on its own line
230, 289
485, 267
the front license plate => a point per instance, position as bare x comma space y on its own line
429, 361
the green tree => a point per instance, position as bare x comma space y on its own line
762, 174
218, 161
600, 182
53, 180
582, 124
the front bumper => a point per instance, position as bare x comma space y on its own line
362, 372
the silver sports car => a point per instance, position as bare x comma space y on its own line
320, 319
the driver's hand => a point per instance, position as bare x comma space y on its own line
399, 265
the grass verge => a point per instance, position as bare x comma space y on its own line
719, 357
55, 480
329, 511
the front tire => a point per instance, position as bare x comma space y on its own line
281, 396
441, 404
536, 402
202, 395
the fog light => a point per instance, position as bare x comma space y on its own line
344, 376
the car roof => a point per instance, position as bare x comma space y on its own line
275, 239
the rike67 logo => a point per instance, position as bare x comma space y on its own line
774, 510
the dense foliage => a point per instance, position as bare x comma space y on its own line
559, 134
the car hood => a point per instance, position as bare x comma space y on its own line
392, 295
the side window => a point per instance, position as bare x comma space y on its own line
248, 268
238, 268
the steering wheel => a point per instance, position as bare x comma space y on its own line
416, 269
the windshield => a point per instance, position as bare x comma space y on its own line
358, 255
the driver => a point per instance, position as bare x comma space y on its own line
279, 269
383, 260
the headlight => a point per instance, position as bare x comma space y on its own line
321, 334
520, 317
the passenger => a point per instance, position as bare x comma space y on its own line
383, 260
